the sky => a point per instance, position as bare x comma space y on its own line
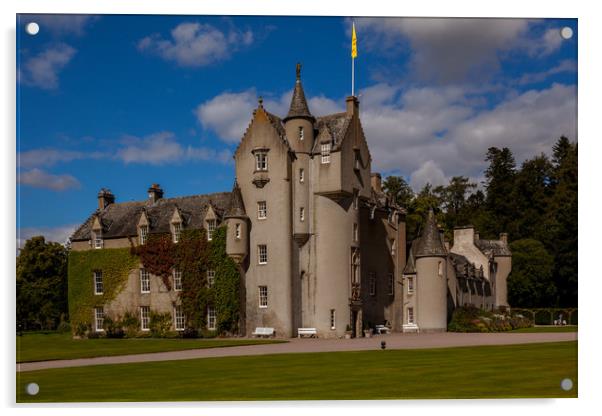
124, 101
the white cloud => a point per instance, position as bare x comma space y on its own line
59, 234
50, 157
196, 44
162, 148
42, 70
62, 24
567, 65
429, 172
38, 178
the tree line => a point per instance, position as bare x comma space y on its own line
535, 203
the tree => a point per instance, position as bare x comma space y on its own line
418, 210
499, 184
41, 284
530, 284
398, 189
453, 201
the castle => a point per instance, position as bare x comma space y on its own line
318, 243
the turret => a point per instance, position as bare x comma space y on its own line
237, 221
431, 276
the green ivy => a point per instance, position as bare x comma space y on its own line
115, 263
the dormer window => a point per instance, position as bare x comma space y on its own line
143, 234
177, 231
301, 134
261, 161
98, 243
211, 224
325, 152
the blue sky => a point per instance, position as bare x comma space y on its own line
126, 101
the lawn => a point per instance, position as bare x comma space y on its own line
548, 329
528, 370
61, 346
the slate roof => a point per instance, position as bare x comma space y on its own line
411, 263
430, 243
298, 107
493, 248
121, 219
237, 205
333, 126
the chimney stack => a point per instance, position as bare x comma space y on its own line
376, 182
504, 237
155, 193
477, 237
105, 198
353, 106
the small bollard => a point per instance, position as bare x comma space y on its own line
383, 345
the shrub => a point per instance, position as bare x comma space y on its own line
130, 324
94, 335
82, 329
113, 328
160, 324
473, 319
64, 327
190, 333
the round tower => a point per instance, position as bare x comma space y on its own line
431, 278
237, 221
299, 128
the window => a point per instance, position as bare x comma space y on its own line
357, 163
301, 135
410, 285
302, 214
144, 281
391, 284
98, 283
210, 278
145, 318
325, 151
356, 202
261, 161
180, 319
262, 250
333, 320
262, 210
355, 233
372, 284
301, 175
99, 319
210, 229
393, 247
440, 269
211, 318
263, 296
177, 231
97, 241
177, 280
143, 234
237, 232
410, 315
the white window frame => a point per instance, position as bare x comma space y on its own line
210, 278
410, 315
261, 161
98, 242
99, 319
325, 153
211, 226
301, 133
98, 282
301, 175
263, 296
356, 232
391, 284
302, 214
143, 234
211, 318
372, 283
410, 285
262, 210
262, 253
177, 231
145, 286
237, 231
333, 319
179, 318
177, 280
145, 318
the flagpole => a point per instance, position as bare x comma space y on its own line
353, 77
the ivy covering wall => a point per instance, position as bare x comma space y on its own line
115, 264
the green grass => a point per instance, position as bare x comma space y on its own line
56, 346
548, 329
518, 371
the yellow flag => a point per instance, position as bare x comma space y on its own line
353, 42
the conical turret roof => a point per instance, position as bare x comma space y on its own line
237, 206
430, 242
299, 107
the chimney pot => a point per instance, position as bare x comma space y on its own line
504, 237
105, 198
155, 192
477, 237
376, 180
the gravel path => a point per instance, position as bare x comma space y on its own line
394, 341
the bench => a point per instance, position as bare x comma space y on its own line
381, 329
264, 332
311, 332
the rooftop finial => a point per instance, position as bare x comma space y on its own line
260, 100
298, 71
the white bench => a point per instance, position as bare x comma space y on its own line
264, 332
311, 332
381, 329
